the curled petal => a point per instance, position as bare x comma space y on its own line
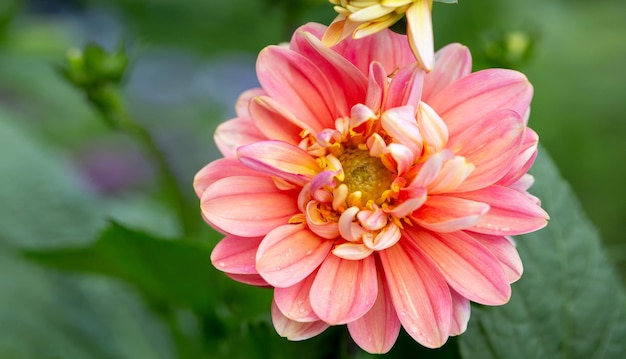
346, 225
289, 253
234, 133
378, 329
469, 268
319, 223
372, 220
236, 255
415, 197
377, 87
281, 160
451, 63
402, 156
420, 33
406, 87
453, 173
361, 114
401, 125
511, 212
419, 293
504, 249
294, 330
352, 251
334, 301
320, 186
434, 131
386, 238
294, 301
247, 206
448, 214
429, 171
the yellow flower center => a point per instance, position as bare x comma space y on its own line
365, 174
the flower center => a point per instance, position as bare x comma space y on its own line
365, 174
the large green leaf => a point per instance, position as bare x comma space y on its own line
44, 314
569, 303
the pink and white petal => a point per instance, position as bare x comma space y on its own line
236, 255
504, 249
429, 171
511, 212
377, 87
333, 300
451, 63
378, 329
346, 224
452, 174
279, 159
403, 156
420, 33
389, 236
314, 28
491, 145
523, 184
241, 107
472, 97
349, 85
249, 279
352, 251
406, 87
298, 84
469, 268
446, 214
419, 292
294, 330
401, 125
289, 253
234, 133
318, 223
276, 122
461, 311
432, 128
415, 197
386, 47
218, 169
523, 161
247, 206
294, 301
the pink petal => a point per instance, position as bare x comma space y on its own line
504, 249
469, 99
452, 174
289, 253
524, 159
403, 156
276, 122
279, 159
294, 301
378, 329
461, 311
334, 296
419, 293
449, 214
406, 87
318, 223
491, 145
236, 255
451, 63
241, 107
249, 279
247, 206
377, 87
420, 33
469, 268
401, 125
294, 330
432, 128
218, 169
352, 251
234, 133
348, 83
511, 212
298, 84
315, 29
386, 47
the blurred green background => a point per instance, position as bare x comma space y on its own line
63, 173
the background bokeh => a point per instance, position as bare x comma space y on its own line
63, 173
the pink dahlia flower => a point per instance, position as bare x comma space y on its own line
366, 192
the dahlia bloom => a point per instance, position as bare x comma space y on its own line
366, 192
364, 18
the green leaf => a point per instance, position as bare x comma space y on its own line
569, 303
166, 271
